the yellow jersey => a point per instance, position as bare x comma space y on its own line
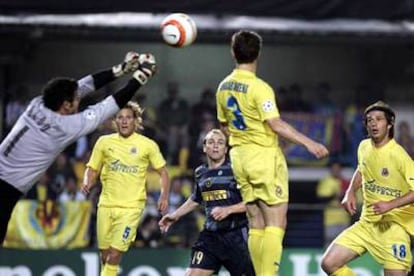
244, 103
123, 164
387, 173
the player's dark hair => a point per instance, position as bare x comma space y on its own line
246, 46
59, 90
389, 115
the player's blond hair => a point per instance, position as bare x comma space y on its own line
137, 110
214, 131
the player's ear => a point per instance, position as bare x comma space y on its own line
67, 105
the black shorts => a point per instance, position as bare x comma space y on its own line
229, 249
8, 199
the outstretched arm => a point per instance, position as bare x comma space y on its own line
99, 79
169, 219
285, 130
147, 68
89, 119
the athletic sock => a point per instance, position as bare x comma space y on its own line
272, 250
255, 243
343, 271
110, 270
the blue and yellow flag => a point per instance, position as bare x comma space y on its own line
49, 224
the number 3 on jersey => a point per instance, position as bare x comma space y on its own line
233, 106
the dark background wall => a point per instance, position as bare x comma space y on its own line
386, 69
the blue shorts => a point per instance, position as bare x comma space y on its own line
212, 250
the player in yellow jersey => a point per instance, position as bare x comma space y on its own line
385, 173
247, 112
122, 160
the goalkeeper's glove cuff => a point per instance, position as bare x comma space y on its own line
117, 70
141, 77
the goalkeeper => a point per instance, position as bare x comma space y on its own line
51, 122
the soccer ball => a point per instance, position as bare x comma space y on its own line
178, 30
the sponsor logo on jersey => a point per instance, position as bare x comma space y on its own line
374, 188
117, 166
214, 195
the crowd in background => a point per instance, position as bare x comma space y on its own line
179, 128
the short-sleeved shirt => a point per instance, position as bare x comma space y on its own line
244, 103
218, 188
123, 164
387, 173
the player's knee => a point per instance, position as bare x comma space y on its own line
104, 255
198, 272
113, 257
328, 264
255, 218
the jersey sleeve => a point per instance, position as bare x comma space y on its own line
265, 102
85, 86
96, 159
196, 194
157, 161
407, 168
359, 165
85, 122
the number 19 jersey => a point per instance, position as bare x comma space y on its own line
244, 102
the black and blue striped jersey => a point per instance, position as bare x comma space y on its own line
218, 188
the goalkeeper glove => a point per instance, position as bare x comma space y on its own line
147, 68
129, 65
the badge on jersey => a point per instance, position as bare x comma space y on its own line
208, 183
385, 172
89, 114
268, 106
